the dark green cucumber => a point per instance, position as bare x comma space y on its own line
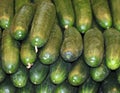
20, 77
115, 12
45, 87
78, 73
2, 74
118, 75
38, 72
72, 45
19, 4
10, 53
112, 48
59, 71
27, 53
6, 13
28, 88
7, 87
21, 22
99, 73
42, 23
65, 12
83, 13
50, 52
89, 86
102, 13
110, 84
93, 47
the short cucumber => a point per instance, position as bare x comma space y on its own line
83, 13
65, 12
102, 13
38, 73
112, 44
10, 53
50, 52
78, 73
93, 47
59, 71
72, 44
42, 23
6, 13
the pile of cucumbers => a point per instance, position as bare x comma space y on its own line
59, 46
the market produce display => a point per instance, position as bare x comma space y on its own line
59, 46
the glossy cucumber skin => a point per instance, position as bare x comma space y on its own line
42, 24
112, 44
10, 53
65, 12
83, 15
93, 47
50, 52
72, 45
21, 22
102, 13
6, 13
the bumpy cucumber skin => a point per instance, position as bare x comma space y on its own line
72, 45
112, 44
42, 24
102, 13
93, 47
83, 15
21, 21
50, 52
65, 12
10, 53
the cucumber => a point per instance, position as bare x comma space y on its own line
45, 87
89, 86
10, 53
7, 87
72, 45
20, 3
99, 73
59, 71
21, 22
78, 73
93, 47
110, 84
6, 13
65, 12
20, 77
2, 74
38, 73
83, 13
50, 52
112, 44
118, 75
42, 24
114, 4
27, 53
102, 13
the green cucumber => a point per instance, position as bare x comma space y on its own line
27, 53
59, 71
6, 13
65, 12
10, 53
102, 13
42, 24
93, 47
20, 77
83, 13
2, 74
72, 44
89, 86
50, 52
78, 73
118, 75
112, 48
21, 22
38, 73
